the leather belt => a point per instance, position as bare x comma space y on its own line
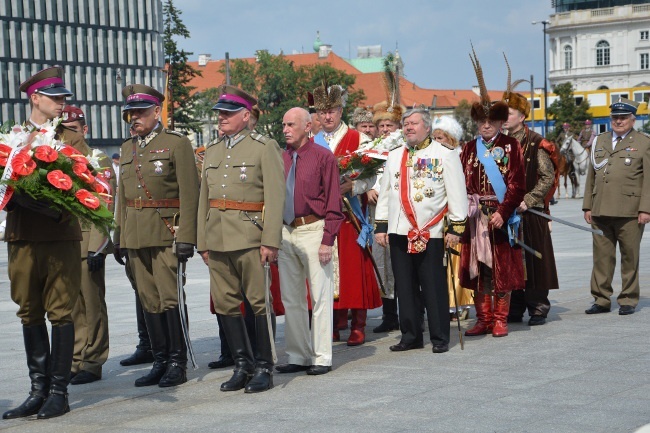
139, 203
223, 204
301, 221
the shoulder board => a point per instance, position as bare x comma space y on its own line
213, 142
128, 140
604, 132
259, 137
448, 146
169, 131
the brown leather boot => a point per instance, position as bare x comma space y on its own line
483, 305
501, 308
358, 328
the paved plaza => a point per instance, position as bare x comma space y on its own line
577, 373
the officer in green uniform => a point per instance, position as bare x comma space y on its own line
90, 315
158, 190
45, 268
617, 201
240, 228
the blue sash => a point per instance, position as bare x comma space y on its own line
366, 236
320, 140
498, 185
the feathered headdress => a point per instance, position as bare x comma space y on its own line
485, 109
326, 97
515, 100
390, 109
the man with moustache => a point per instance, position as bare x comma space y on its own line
354, 277
362, 121
540, 164
90, 315
312, 217
495, 183
45, 266
422, 182
158, 198
239, 231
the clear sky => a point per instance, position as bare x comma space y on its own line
433, 36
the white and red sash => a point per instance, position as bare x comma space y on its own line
417, 237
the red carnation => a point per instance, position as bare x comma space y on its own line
59, 179
22, 164
81, 170
365, 159
4, 154
87, 199
46, 154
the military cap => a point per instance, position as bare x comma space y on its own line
137, 96
72, 114
47, 82
233, 99
623, 107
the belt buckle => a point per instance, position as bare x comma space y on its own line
221, 204
137, 203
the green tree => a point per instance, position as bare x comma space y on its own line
565, 110
179, 72
279, 85
462, 115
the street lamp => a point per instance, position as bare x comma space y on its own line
544, 24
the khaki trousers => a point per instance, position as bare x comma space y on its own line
297, 262
45, 279
154, 270
627, 232
90, 318
232, 273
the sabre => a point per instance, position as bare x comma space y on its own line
453, 279
518, 241
357, 227
566, 223
180, 273
267, 301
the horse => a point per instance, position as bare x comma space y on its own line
576, 159
566, 170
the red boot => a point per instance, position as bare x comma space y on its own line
340, 322
483, 305
358, 328
501, 308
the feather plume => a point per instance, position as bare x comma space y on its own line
391, 81
516, 83
509, 87
485, 98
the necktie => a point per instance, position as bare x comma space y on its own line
616, 141
289, 213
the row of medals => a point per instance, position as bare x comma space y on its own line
424, 168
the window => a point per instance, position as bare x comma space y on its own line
536, 104
578, 100
602, 53
214, 134
199, 138
644, 61
614, 97
568, 57
644, 35
642, 96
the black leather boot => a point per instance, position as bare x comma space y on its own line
225, 359
177, 365
235, 330
142, 354
37, 348
157, 327
263, 377
59, 372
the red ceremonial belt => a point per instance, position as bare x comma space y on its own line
417, 237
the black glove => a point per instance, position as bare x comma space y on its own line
184, 251
39, 206
119, 254
95, 262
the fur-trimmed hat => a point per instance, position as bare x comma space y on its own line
485, 109
514, 100
383, 111
361, 114
327, 97
449, 125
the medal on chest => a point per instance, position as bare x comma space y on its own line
158, 165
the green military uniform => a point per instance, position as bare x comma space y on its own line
240, 210
90, 314
615, 192
45, 271
166, 164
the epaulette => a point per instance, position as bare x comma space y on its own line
169, 131
259, 137
213, 142
448, 146
128, 140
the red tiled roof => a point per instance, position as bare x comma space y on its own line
371, 83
